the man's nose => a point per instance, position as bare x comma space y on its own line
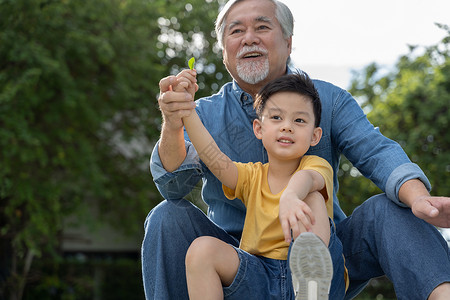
250, 38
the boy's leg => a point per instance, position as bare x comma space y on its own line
322, 225
382, 238
318, 263
441, 292
337, 290
311, 266
170, 228
210, 264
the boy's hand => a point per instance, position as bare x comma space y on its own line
294, 215
186, 81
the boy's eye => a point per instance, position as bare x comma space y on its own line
275, 117
299, 120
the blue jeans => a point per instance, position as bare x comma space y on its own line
378, 238
382, 238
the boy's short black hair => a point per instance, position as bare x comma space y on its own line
299, 83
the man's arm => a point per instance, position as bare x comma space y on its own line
385, 163
174, 105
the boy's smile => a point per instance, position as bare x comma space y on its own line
285, 140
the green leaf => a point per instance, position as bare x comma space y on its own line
191, 63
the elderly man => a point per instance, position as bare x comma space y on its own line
391, 233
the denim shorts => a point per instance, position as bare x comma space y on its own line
260, 278
264, 278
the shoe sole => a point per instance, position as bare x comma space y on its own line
311, 267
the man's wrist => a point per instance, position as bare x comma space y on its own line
172, 150
411, 191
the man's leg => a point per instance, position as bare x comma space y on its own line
170, 228
382, 238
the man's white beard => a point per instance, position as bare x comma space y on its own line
253, 72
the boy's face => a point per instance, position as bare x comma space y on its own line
286, 127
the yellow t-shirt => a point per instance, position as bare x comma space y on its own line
262, 234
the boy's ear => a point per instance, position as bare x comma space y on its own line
317, 135
257, 130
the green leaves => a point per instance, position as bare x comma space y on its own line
77, 79
78, 116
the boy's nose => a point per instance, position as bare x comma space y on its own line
286, 127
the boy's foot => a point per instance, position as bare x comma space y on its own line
311, 267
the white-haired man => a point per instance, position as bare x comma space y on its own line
391, 233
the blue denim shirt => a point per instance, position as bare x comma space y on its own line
228, 116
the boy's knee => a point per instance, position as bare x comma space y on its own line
201, 251
316, 196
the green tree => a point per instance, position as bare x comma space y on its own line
415, 111
79, 116
411, 106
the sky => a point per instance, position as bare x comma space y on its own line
334, 37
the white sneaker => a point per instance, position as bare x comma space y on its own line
311, 267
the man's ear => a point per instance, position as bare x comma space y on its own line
289, 44
257, 129
317, 135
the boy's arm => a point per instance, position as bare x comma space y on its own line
304, 182
217, 162
208, 151
292, 207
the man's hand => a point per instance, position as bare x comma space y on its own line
175, 102
294, 215
434, 210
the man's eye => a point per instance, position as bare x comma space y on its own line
236, 31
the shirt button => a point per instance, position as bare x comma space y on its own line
245, 97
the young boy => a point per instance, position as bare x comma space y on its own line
284, 198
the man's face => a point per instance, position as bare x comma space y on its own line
255, 50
